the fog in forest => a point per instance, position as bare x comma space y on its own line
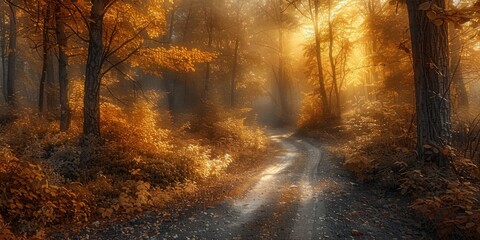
126, 106
258, 55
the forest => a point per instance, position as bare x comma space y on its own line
240, 119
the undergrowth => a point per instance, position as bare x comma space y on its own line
143, 161
379, 147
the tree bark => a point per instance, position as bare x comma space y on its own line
318, 52
91, 118
457, 71
45, 49
52, 98
282, 79
43, 78
170, 76
209, 45
336, 108
3, 49
12, 57
47, 85
431, 77
233, 83
65, 112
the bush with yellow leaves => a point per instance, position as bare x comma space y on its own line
143, 161
234, 133
227, 132
311, 115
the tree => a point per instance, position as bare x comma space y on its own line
46, 80
210, 28
233, 82
277, 23
62, 41
3, 52
118, 33
336, 102
389, 70
95, 60
12, 57
456, 69
312, 11
431, 77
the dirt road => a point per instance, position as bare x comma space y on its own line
303, 194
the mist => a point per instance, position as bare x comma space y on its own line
113, 108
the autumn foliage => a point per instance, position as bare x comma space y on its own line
142, 162
447, 200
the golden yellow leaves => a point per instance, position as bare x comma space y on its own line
135, 197
173, 58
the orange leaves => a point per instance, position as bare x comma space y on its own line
143, 154
174, 58
29, 197
135, 196
466, 168
5, 230
455, 210
359, 164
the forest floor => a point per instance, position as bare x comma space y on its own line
300, 192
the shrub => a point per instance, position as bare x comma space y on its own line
142, 161
360, 165
29, 200
381, 150
310, 113
234, 134
456, 210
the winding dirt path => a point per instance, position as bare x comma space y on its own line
303, 194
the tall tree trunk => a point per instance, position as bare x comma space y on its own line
430, 59
47, 85
282, 79
12, 57
209, 45
45, 49
91, 118
318, 52
170, 76
3, 52
336, 108
457, 71
43, 78
52, 98
184, 39
233, 83
65, 112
